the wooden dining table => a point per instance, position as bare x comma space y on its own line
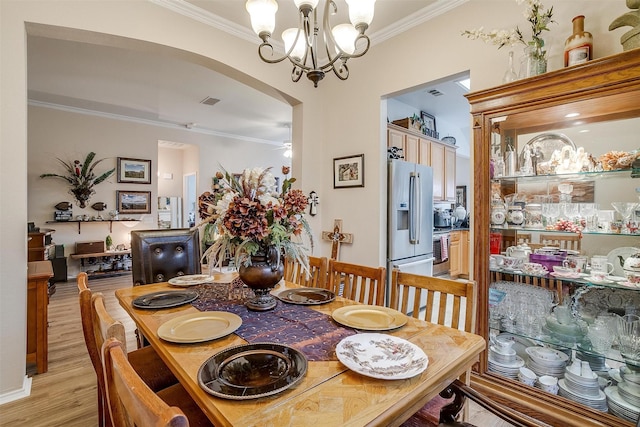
330, 394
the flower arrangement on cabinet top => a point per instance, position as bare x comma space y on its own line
248, 216
538, 17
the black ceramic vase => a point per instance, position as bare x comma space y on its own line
265, 271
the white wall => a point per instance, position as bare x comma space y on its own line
336, 119
169, 176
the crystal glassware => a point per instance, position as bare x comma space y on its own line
625, 209
589, 212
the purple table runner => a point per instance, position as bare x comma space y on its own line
313, 333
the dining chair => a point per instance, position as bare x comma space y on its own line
569, 241
160, 255
97, 326
357, 282
436, 300
131, 402
317, 278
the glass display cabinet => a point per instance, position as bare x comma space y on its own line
555, 234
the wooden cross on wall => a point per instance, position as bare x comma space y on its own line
337, 237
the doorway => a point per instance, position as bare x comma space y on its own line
190, 200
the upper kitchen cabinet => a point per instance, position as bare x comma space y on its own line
542, 177
422, 149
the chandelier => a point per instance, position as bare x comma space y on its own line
342, 42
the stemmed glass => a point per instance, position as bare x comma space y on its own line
551, 211
625, 209
588, 211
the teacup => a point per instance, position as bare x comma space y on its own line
548, 384
564, 270
512, 263
578, 263
534, 268
527, 376
496, 261
599, 263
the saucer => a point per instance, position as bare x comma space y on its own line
566, 275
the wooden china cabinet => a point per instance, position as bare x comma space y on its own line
604, 92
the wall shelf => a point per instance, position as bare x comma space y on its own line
110, 221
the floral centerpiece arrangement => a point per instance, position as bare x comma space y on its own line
249, 217
538, 18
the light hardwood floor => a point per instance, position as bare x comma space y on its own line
66, 394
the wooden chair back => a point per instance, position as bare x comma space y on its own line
435, 300
569, 241
97, 327
357, 282
317, 278
131, 402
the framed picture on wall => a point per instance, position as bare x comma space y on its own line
429, 122
461, 196
348, 171
133, 202
134, 171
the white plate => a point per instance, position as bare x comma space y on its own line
191, 280
546, 355
618, 278
613, 394
516, 364
625, 253
566, 275
199, 327
382, 356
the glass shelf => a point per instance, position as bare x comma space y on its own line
543, 230
580, 281
581, 176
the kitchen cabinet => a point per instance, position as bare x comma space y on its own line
455, 256
418, 148
600, 96
459, 253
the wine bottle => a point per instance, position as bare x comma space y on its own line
579, 46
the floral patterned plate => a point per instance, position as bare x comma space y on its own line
382, 356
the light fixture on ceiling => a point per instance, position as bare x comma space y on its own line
288, 152
301, 44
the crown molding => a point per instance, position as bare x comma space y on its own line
189, 10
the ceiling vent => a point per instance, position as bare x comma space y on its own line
209, 101
435, 92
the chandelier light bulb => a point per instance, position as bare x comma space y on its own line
345, 36
361, 12
263, 16
289, 36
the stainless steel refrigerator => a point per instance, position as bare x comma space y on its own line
409, 218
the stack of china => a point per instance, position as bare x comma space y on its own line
562, 326
580, 384
547, 361
596, 361
503, 359
624, 399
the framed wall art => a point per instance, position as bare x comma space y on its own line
134, 171
461, 196
348, 171
133, 202
429, 122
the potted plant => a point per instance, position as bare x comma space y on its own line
81, 177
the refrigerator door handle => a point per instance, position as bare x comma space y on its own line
418, 207
413, 206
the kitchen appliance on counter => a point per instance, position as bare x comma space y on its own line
442, 218
409, 218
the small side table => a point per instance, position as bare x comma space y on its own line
38, 275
